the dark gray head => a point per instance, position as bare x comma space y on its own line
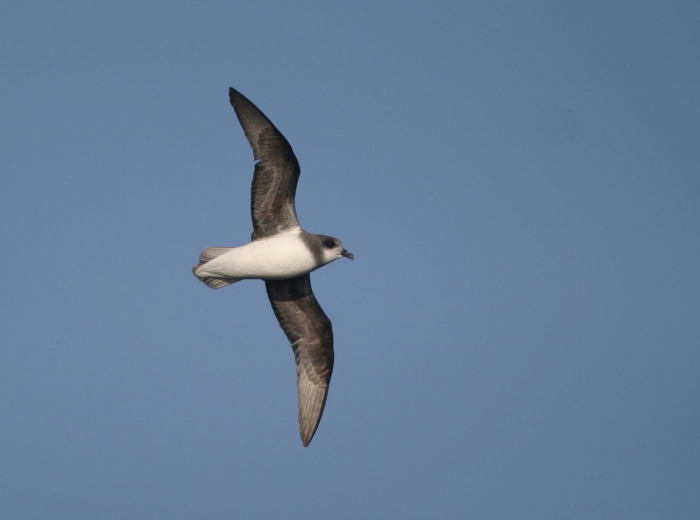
325, 249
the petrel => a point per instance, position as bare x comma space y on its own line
282, 254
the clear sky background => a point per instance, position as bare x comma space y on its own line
518, 336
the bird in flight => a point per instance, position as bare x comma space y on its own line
283, 254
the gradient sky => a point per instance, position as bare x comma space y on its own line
517, 338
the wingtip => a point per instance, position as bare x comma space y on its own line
311, 406
306, 436
308, 427
233, 95
236, 97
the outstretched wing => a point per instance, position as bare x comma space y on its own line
310, 332
276, 172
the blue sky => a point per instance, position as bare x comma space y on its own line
516, 338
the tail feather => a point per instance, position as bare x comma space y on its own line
208, 254
217, 283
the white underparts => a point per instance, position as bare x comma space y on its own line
275, 258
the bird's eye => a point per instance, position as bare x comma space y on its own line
329, 244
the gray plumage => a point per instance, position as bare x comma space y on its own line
276, 172
310, 333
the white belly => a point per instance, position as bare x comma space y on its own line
275, 258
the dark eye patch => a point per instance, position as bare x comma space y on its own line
329, 244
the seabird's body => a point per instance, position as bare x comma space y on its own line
278, 257
282, 254
274, 258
